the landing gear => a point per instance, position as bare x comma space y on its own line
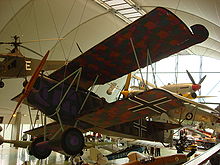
39, 148
72, 141
25, 82
193, 95
2, 84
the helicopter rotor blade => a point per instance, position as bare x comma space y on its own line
190, 77
31, 50
46, 39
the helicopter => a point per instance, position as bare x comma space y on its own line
15, 65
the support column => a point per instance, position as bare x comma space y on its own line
16, 127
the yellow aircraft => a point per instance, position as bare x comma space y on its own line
187, 90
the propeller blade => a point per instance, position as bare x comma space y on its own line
190, 77
28, 87
202, 79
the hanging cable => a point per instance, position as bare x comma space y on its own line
36, 25
200, 75
16, 20
176, 68
55, 26
177, 7
80, 20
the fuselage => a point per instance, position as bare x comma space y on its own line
182, 88
20, 66
68, 107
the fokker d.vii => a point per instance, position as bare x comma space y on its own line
66, 95
15, 65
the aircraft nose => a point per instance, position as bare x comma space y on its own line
196, 87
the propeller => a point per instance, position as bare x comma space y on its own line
190, 77
27, 89
195, 86
192, 80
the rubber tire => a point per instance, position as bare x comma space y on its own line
34, 152
68, 146
2, 84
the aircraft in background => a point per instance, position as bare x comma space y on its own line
15, 65
187, 90
66, 94
136, 158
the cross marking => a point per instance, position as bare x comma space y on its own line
153, 105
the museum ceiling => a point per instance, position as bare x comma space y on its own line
87, 22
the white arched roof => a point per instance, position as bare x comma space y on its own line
87, 23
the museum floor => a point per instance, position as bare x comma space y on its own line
12, 156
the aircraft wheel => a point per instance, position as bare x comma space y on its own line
2, 84
72, 141
194, 95
189, 116
40, 151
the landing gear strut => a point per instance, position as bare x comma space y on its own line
25, 82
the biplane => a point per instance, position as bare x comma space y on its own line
15, 65
66, 94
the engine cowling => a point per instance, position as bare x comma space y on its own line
72, 141
40, 148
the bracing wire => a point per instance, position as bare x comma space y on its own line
152, 68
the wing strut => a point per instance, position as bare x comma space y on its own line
97, 76
88, 93
78, 74
66, 79
135, 54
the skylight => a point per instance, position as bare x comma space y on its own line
124, 9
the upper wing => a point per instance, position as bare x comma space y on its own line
159, 31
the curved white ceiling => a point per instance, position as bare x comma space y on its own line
88, 23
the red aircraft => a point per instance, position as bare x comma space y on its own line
66, 95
